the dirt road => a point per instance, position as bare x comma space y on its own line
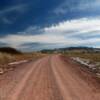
50, 78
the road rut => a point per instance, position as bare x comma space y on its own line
50, 78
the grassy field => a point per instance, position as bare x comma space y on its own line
95, 57
7, 58
92, 57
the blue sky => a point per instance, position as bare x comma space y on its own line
45, 24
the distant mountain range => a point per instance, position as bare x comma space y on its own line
72, 49
59, 50
9, 50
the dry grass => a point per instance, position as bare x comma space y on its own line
95, 57
7, 58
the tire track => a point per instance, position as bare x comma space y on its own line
51, 78
42, 85
71, 86
18, 89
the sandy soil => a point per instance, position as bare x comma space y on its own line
50, 78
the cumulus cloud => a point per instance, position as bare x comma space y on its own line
63, 34
83, 26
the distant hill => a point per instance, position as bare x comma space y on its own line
71, 49
9, 50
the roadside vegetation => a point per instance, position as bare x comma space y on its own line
8, 61
8, 56
93, 56
91, 60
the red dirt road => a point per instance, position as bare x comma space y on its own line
50, 78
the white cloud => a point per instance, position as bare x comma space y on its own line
75, 27
17, 40
64, 34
